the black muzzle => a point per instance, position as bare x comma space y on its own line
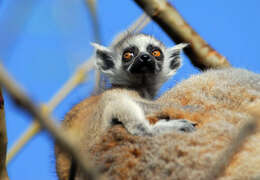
144, 63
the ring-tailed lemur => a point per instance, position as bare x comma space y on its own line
140, 63
137, 65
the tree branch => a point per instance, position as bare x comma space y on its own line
25, 137
166, 16
78, 77
247, 129
100, 81
91, 4
62, 138
3, 140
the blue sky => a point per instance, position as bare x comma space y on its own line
42, 42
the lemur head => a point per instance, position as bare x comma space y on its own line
138, 61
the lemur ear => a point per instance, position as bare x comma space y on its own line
104, 60
173, 60
175, 55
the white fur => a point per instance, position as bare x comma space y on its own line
142, 41
100, 47
128, 112
179, 47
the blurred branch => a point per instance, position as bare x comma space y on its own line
200, 53
140, 23
247, 129
91, 4
100, 81
256, 177
19, 144
136, 27
3, 140
62, 138
78, 77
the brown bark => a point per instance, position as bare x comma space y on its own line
3, 141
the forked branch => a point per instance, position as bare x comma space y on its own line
167, 17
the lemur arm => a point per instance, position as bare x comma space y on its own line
130, 113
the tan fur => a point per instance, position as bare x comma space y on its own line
215, 100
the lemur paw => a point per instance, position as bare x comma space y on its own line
143, 128
165, 126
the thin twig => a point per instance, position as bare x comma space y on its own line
136, 27
139, 24
91, 4
76, 79
166, 16
3, 140
147, 19
63, 139
19, 144
224, 159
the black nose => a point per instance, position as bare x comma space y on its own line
143, 63
145, 57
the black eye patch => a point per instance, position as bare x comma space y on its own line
151, 48
126, 62
132, 49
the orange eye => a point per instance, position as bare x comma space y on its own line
156, 53
128, 55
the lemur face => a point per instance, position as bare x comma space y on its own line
143, 57
138, 58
